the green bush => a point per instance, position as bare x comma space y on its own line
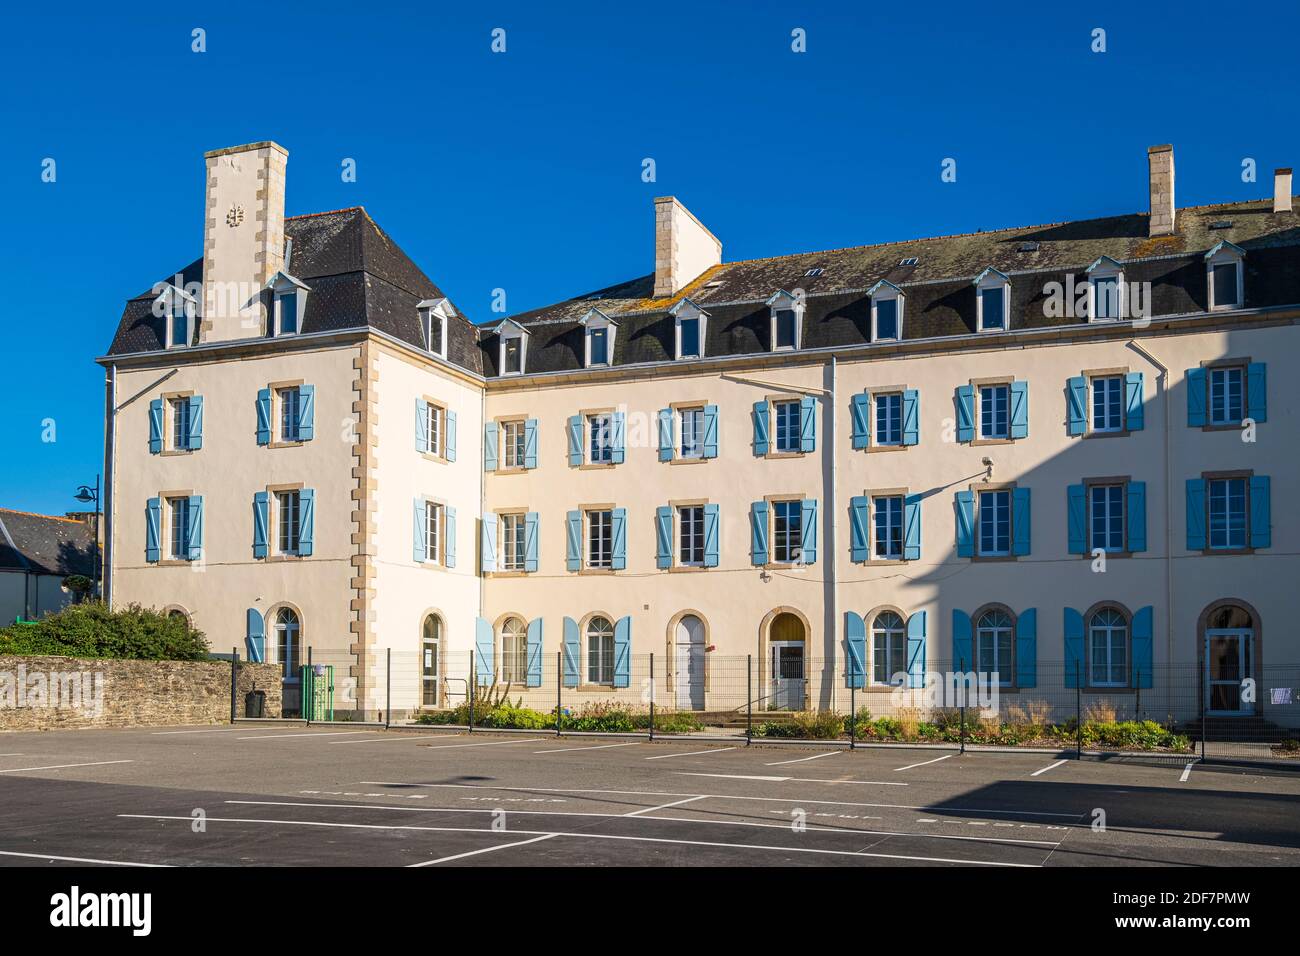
775, 729
670, 722
93, 630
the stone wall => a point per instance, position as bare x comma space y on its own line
47, 693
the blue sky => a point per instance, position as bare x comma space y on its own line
522, 170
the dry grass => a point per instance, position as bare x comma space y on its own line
1100, 712
909, 720
1034, 713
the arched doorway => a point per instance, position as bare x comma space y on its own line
688, 661
786, 638
1230, 650
430, 646
288, 642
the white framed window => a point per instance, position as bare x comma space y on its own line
1226, 500
1106, 517
1108, 648
180, 422
513, 436
286, 313
288, 304
690, 534
430, 639
888, 649
889, 418
786, 420
177, 308
993, 645
887, 302
178, 521
887, 527
786, 322
995, 411
994, 518
992, 301
513, 542
287, 514
435, 418
178, 325
787, 531
512, 348
599, 334
600, 651
600, 538
1107, 294
1225, 394
600, 439
290, 402
1225, 275
433, 531
514, 651
1107, 403
691, 428
434, 317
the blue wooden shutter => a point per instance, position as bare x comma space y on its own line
422, 425
808, 531
1195, 514
419, 538
1076, 506
665, 434
758, 533
1019, 409
1143, 648
194, 440
155, 426
1027, 648
449, 536
1020, 511
1261, 517
255, 636
1195, 397
1137, 515
855, 647
531, 540
194, 529
965, 402
573, 540
1134, 409
860, 415
911, 416
264, 416
485, 665
807, 424
152, 529
533, 678
859, 533
618, 429
965, 506
575, 441
488, 544
916, 650
530, 443
710, 431
1076, 658
1257, 392
762, 415
623, 652
618, 535
1076, 405
711, 530
963, 647
912, 528
449, 439
491, 443
663, 536
306, 521
261, 518
572, 652
306, 412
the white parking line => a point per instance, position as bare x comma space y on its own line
331, 733
76, 859
10, 755
1051, 766
565, 750
169, 733
64, 766
1187, 772
829, 753
487, 849
693, 753
739, 776
662, 806
924, 763
489, 743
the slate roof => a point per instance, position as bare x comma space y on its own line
44, 544
358, 276
939, 289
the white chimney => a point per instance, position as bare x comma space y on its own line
243, 238
1160, 161
684, 249
1281, 190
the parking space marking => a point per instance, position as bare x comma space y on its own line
328, 733
393, 739
10, 755
740, 776
924, 762
1187, 772
486, 849
664, 806
78, 859
488, 743
65, 766
565, 750
693, 753
170, 733
1051, 766
829, 753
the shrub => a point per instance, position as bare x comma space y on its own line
775, 729
671, 722
92, 629
819, 724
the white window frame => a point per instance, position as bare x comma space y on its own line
176, 302
794, 434
603, 562
886, 291
513, 527
979, 411
992, 279
891, 635
693, 539
1228, 528
591, 422
1110, 630
509, 330
179, 406
428, 309
1010, 523
696, 413
594, 321
513, 452
875, 515
1005, 675
1225, 253
782, 302
1107, 268
514, 666
278, 407
1223, 370
288, 518
434, 531
793, 543
435, 424
178, 530
688, 311
1093, 531
1093, 381
876, 431
281, 284
589, 635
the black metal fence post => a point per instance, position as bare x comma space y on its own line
302, 689
652, 696
1078, 711
749, 699
559, 690
234, 681
388, 692
1137, 688
473, 690
1202, 692
961, 678
853, 703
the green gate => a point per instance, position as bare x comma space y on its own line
318, 691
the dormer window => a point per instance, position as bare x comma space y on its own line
434, 317
178, 326
786, 321
599, 334
688, 329
178, 309
1224, 272
887, 302
992, 301
512, 355
289, 302
1106, 292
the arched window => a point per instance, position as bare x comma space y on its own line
1229, 617
889, 648
514, 651
287, 639
1108, 648
993, 644
600, 651
430, 641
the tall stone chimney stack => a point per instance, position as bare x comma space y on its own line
243, 238
1160, 161
684, 249
1281, 190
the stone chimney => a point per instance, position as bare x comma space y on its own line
684, 249
1160, 160
243, 238
1281, 190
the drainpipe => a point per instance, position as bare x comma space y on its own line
832, 509
1162, 381
106, 493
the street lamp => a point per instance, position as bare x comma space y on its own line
86, 494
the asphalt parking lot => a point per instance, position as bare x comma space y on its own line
293, 795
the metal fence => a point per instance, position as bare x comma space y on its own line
1173, 710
